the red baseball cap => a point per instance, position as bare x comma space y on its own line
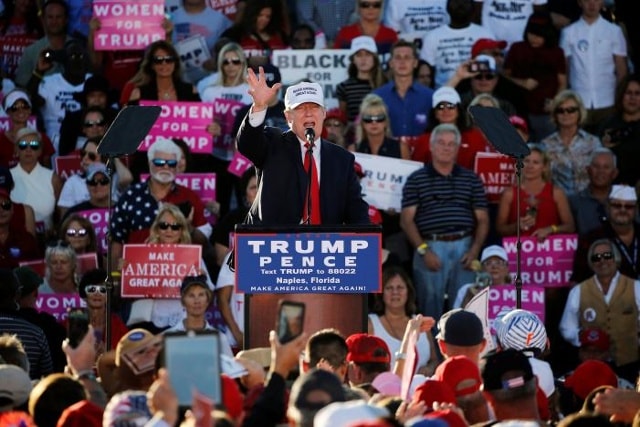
589, 375
519, 123
595, 337
449, 416
486, 44
365, 348
338, 114
434, 391
232, 398
462, 375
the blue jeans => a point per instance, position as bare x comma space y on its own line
432, 285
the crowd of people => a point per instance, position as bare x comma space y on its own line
563, 75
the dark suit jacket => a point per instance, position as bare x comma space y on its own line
283, 180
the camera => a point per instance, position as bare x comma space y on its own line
479, 66
51, 55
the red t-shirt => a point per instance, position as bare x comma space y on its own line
472, 142
385, 37
546, 209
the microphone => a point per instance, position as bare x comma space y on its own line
310, 135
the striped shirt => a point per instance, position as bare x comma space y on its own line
33, 341
352, 91
445, 204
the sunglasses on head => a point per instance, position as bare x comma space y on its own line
627, 206
94, 182
602, 256
92, 156
446, 106
15, 108
568, 110
374, 119
168, 59
484, 76
162, 162
370, 5
80, 232
165, 226
235, 61
34, 145
6, 205
92, 123
94, 289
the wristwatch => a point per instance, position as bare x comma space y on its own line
422, 249
400, 356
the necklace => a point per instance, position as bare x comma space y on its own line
167, 93
393, 331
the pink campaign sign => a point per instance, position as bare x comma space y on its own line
99, 218
548, 263
128, 24
503, 297
184, 120
4, 122
225, 112
58, 304
239, 164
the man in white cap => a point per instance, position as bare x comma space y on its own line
297, 168
609, 300
621, 228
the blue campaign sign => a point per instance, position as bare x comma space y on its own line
308, 263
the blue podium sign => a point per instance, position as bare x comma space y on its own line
308, 262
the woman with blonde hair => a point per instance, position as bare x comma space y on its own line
570, 147
374, 131
60, 269
544, 208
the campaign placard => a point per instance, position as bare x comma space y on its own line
239, 164
128, 24
99, 218
84, 263
548, 263
308, 263
57, 305
11, 49
384, 179
225, 112
156, 271
496, 171
184, 120
68, 165
193, 53
328, 67
5, 124
503, 298
227, 7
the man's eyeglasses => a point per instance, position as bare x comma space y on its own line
374, 119
96, 182
169, 59
34, 145
94, 289
80, 232
602, 256
162, 162
92, 123
23, 107
370, 5
165, 226
494, 263
232, 61
6, 205
626, 206
484, 76
446, 106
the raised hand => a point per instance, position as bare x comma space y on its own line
259, 90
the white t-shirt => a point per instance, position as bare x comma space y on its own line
445, 48
415, 18
226, 277
507, 18
590, 50
225, 347
422, 346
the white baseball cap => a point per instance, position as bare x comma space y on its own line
489, 59
445, 94
494, 250
363, 43
14, 96
303, 92
623, 192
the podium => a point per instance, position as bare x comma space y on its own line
330, 269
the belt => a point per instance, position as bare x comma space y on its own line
448, 237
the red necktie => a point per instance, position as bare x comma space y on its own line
309, 161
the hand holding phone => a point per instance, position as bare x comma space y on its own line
77, 325
478, 66
290, 320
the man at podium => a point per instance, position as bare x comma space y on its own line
303, 179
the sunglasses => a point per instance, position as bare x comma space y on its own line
165, 226
602, 256
494, 263
446, 106
485, 76
370, 5
92, 156
94, 289
374, 119
81, 232
162, 162
93, 123
232, 61
568, 110
6, 205
15, 108
626, 206
96, 182
169, 59
34, 145
58, 244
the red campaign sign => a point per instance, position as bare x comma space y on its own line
84, 263
184, 120
68, 165
11, 50
156, 271
58, 304
496, 171
548, 263
99, 218
128, 24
